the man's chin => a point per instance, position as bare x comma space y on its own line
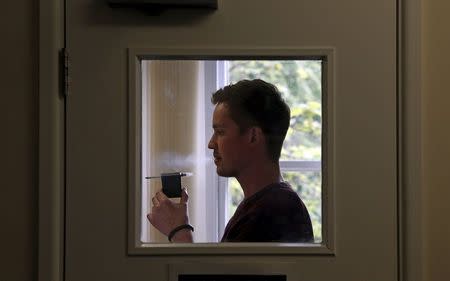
219, 172
222, 173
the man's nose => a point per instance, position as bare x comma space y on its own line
211, 143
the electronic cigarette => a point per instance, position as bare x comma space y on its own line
171, 183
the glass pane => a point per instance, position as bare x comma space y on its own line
235, 196
300, 83
174, 140
177, 124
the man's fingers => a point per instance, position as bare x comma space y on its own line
184, 196
155, 201
160, 196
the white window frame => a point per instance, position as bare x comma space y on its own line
135, 57
222, 79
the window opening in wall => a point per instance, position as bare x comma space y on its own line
176, 128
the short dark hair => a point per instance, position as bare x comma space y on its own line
257, 103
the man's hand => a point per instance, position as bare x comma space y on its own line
166, 215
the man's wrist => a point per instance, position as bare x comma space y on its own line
181, 233
182, 236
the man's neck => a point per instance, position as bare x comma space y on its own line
258, 177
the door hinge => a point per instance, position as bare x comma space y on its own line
64, 70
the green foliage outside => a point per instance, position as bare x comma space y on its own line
301, 87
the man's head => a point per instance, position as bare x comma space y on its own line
255, 104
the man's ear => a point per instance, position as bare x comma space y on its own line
255, 135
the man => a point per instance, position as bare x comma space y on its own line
250, 122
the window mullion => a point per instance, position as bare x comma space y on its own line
222, 79
301, 166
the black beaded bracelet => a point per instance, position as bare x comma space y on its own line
178, 228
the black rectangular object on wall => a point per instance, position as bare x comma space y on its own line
230, 277
164, 4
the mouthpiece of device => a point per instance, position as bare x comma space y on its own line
181, 174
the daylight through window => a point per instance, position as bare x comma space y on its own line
176, 127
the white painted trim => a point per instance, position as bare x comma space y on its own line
222, 80
134, 150
145, 165
135, 247
51, 143
411, 223
215, 213
301, 166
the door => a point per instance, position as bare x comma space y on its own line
357, 39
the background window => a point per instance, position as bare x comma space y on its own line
176, 127
300, 83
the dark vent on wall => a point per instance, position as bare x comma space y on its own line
230, 277
164, 4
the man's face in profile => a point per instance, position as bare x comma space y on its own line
227, 143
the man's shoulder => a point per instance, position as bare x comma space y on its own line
276, 213
278, 197
282, 191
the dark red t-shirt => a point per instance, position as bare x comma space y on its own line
274, 214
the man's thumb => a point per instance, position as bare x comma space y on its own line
184, 196
150, 217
